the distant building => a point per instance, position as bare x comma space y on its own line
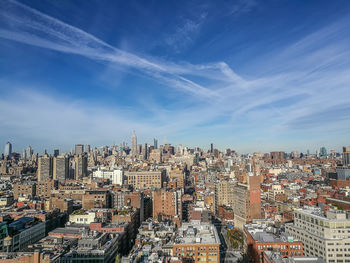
56, 152
155, 143
134, 151
277, 155
8, 149
79, 149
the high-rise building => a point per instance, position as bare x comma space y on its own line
79, 149
346, 155
247, 203
80, 167
223, 194
8, 149
60, 168
145, 152
323, 152
45, 168
87, 148
29, 153
211, 148
327, 236
56, 152
277, 155
134, 144
155, 143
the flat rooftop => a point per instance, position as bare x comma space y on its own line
191, 233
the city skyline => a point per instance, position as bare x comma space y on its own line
245, 75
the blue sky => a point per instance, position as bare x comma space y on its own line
249, 75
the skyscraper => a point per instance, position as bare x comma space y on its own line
80, 167
56, 152
60, 168
323, 151
211, 148
346, 155
29, 153
87, 148
155, 143
133, 144
8, 149
79, 149
44, 168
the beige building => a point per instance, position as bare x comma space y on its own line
146, 179
223, 194
323, 236
273, 191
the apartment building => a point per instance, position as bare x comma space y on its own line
323, 236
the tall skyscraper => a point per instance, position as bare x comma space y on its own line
45, 168
346, 155
60, 168
211, 148
87, 148
323, 152
8, 149
79, 149
155, 143
133, 144
146, 152
56, 152
29, 153
80, 167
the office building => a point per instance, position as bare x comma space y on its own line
87, 148
29, 153
346, 155
223, 194
155, 143
45, 168
134, 151
8, 149
79, 149
323, 152
60, 168
277, 155
323, 236
56, 152
146, 179
80, 167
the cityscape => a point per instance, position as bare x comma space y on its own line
154, 202
174, 131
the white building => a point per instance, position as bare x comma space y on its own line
116, 176
323, 236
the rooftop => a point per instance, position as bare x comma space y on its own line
190, 233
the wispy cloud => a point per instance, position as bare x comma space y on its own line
304, 86
185, 33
